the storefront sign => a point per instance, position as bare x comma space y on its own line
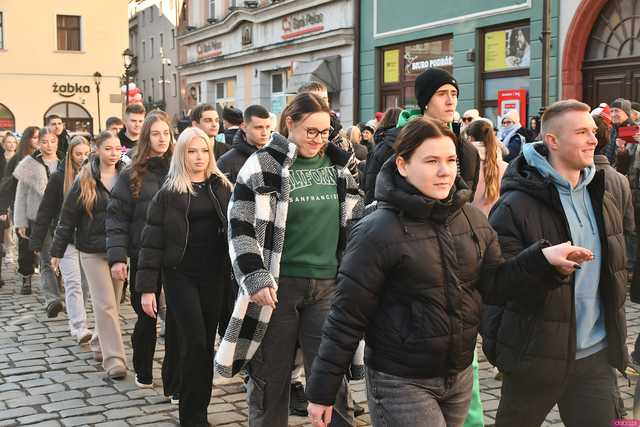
68, 90
419, 57
300, 24
507, 49
209, 49
392, 66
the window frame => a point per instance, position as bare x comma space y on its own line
67, 30
153, 47
2, 30
483, 75
211, 9
173, 38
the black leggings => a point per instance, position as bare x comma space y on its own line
26, 257
195, 301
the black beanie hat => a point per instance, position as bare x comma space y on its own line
622, 104
232, 115
429, 82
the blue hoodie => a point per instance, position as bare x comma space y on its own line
591, 335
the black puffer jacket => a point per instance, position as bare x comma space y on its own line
232, 161
8, 185
536, 335
429, 264
164, 237
90, 235
49, 209
126, 215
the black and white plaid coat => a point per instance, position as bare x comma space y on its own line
257, 219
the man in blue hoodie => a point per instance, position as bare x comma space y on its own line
561, 348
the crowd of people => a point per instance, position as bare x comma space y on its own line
380, 250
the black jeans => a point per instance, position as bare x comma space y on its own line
195, 301
588, 396
26, 257
144, 337
303, 306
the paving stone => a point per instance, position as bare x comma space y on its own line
78, 421
36, 383
37, 418
11, 414
117, 414
126, 403
86, 383
83, 410
12, 394
64, 404
104, 400
53, 388
27, 401
65, 395
101, 391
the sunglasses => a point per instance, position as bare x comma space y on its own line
467, 119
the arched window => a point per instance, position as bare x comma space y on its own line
7, 119
75, 117
615, 32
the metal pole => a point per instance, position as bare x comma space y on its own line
126, 85
99, 118
546, 51
164, 99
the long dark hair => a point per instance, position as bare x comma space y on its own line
24, 147
138, 167
390, 118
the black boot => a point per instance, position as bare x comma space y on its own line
297, 401
26, 285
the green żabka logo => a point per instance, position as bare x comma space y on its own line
68, 90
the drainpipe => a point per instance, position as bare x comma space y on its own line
356, 61
546, 51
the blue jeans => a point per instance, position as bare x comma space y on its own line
419, 402
48, 279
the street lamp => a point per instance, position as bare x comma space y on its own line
127, 59
165, 61
97, 78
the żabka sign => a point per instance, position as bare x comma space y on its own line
298, 25
68, 90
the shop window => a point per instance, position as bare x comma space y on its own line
505, 59
401, 64
68, 32
7, 119
75, 117
222, 92
278, 96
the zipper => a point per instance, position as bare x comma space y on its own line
223, 218
186, 220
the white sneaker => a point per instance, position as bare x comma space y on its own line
84, 337
141, 384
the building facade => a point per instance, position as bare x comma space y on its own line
489, 46
49, 66
260, 52
152, 39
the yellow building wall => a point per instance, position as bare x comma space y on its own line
30, 64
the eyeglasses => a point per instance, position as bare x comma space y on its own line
467, 119
312, 133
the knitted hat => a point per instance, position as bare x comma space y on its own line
511, 115
429, 82
622, 104
472, 113
604, 112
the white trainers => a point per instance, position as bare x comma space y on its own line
84, 337
141, 384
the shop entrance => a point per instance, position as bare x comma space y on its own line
7, 119
611, 67
75, 117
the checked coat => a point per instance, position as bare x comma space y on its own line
257, 219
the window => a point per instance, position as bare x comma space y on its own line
153, 48
173, 39
144, 51
220, 90
151, 14
505, 58
1, 31
401, 64
68, 32
277, 83
153, 89
144, 87
144, 16
175, 84
212, 9
161, 40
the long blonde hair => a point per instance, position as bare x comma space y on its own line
178, 179
88, 183
70, 168
482, 131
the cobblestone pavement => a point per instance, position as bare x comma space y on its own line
49, 380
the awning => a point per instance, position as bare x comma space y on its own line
325, 71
